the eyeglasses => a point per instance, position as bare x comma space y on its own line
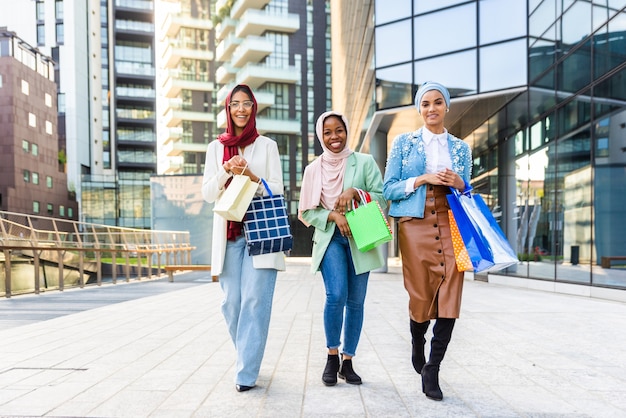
247, 104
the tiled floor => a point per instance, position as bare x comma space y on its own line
514, 353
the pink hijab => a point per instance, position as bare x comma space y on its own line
322, 182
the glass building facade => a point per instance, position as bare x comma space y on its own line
539, 92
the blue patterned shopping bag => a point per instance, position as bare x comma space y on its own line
266, 225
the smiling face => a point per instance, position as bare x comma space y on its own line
433, 110
240, 110
334, 134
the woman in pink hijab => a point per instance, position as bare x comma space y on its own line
329, 186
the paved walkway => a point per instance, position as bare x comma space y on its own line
514, 353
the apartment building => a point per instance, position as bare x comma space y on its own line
281, 49
32, 170
186, 84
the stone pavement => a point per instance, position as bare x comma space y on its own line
514, 353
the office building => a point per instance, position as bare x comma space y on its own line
539, 92
32, 177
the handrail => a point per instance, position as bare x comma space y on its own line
31, 238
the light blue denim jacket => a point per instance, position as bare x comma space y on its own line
407, 159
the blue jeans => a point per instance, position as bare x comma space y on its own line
247, 307
345, 291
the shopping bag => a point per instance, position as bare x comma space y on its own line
486, 244
266, 225
461, 256
368, 224
234, 201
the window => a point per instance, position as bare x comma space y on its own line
58, 9
25, 145
32, 120
60, 32
48, 100
50, 209
25, 87
49, 127
61, 210
34, 149
35, 207
70, 213
26, 176
35, 178
49, 182
41, 34
39, 10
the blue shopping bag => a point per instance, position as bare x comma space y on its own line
266, 225
486, 244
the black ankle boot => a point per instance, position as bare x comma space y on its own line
430, 382
347, 373
330, 371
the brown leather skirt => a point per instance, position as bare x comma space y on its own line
431, 278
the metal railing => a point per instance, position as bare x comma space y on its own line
30, 243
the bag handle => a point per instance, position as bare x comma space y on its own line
363, 197
466, 192
267, 187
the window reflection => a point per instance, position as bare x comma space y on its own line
456, 71
383, 13
430, 38
394, 86
500, 20
576, 23
422, 6
389, 35
497, 73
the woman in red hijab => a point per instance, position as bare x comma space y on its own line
247, 281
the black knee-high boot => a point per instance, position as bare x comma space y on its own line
442, 332
418, 330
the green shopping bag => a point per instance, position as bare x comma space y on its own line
368, 225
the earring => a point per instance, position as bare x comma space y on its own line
447, 109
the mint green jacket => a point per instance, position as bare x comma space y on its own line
361, 172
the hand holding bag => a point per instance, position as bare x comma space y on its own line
486, 244
266, 224
234, 201
368, 224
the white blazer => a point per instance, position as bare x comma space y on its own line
264, 161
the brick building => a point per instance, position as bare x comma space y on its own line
32, 177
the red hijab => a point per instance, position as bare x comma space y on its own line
232, 143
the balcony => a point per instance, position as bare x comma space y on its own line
173, 135
256, 75
174, 53
226, 47
265, 125
225, 73
224, 28
174, 21
174, 117
173, 86
257, 22
173, 166
242, 5
252, 49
